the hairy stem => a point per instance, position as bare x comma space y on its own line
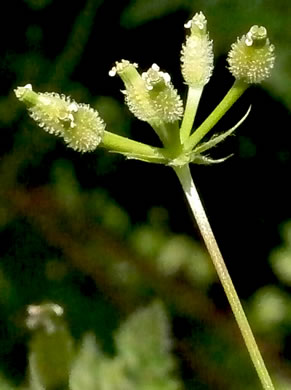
194, 201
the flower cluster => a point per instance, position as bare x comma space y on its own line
152, 98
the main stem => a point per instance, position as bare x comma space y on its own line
193, 198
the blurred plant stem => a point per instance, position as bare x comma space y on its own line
76, 43
197, 208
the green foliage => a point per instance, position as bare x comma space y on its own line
4, 384
143, 357
38, 4
270, 307
92, 370
280, 257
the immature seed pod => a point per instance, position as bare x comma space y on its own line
136, 93
197, 53
88, 129
252, 57
165, 99
151, 96
79, 125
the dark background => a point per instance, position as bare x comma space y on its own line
69, 221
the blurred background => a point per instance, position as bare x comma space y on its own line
101, 236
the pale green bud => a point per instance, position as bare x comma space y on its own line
151, 96
51, 349
197, 53
79, 125
45, 316
252, 57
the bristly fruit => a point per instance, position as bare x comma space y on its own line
197, 53
80, 125
252, 58
150, 96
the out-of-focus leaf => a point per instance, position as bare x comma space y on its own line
4, 384
141, 11
144, 359
270, 309
280, 257
144, 344
38, 4
92, 370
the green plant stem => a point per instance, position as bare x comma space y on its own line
193, 198
230, 98
72, 53
193, 98
133, 149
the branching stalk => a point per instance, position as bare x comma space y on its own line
193, 98
194, 201
230, 98
134, 149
